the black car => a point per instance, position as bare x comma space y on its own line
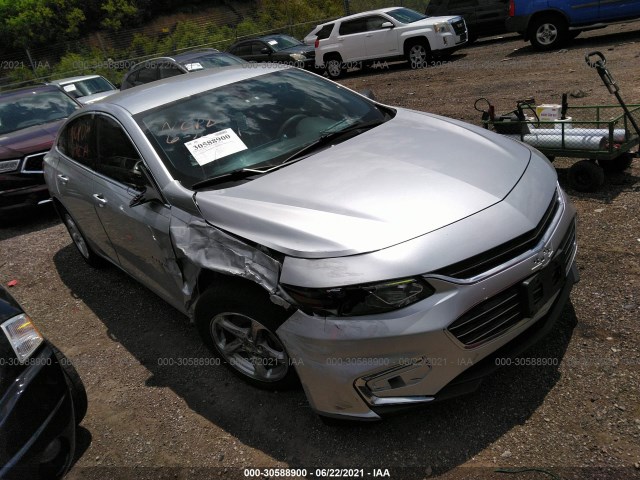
484, 18
276, 49
165, 67
29, 120
42, 400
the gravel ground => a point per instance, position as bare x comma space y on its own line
578, 419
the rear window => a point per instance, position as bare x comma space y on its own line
325, 31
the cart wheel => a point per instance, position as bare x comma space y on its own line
586, 176
617, 164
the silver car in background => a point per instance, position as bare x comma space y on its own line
381, 256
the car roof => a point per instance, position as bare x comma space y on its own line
361, 14
182, 57
63, 81
161, 92
33, 89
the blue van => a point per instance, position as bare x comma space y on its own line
548, 24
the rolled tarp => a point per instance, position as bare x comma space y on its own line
577, 142
619, 134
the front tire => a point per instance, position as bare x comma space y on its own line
239, 326
586, 176
418, 55
548, 32
333, 67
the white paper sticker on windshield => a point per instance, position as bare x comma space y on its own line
217, 145
193, 66
272, 42
69, 88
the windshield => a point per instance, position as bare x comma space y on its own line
212, 60
280, 42
254, 123
406, 15
82, 88
23, 110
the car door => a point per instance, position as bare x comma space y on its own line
611, 10
258, 49
352, 35
491, 16
380, 42
467, 9
578, 11
74, 179
139, 234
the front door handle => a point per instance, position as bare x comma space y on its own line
100, 198
63, 178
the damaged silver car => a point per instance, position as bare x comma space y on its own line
382, 257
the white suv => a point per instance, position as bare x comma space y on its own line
388, 33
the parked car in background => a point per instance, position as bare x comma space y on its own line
29, 120
483, 17
166, 67
42, 400
275, 49
386, 34
87, 88
302, 226
549, 24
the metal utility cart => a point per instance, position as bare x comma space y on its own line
605, 134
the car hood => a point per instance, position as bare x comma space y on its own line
412, 175
306, 49
28, 140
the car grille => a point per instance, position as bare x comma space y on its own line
485, 261
459, 27
33, 163
495, 316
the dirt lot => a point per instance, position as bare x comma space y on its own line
578, 420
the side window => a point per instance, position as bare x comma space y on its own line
167, 71
353, 26
116, 155
77, 140
243, 49
374, 23
147, 74
325, 31
256, 48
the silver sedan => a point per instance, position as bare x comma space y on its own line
379, 256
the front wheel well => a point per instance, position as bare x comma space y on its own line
410, 42
208, 278
551, 14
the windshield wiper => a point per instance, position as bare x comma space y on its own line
238, 174
327, 137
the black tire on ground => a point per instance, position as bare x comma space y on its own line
618, 164
78, 392
80, 241
417, 53
548, 32
333, 66
238, 324
586, 176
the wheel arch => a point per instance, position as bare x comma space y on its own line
544, 13
411, 41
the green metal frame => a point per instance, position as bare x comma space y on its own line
616, 120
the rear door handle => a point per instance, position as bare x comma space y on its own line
100, 198
63, 178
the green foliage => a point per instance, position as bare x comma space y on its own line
117, 13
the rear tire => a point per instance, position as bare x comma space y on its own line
238, 324
586, 176
548, 32
618, 164
80, 241
333, 66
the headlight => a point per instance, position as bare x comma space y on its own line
360, 299
9, 165
23, 336
441, 27
298, 57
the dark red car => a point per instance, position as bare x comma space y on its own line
29, 120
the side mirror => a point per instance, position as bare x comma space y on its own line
265, 50
387, 25
147, 193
